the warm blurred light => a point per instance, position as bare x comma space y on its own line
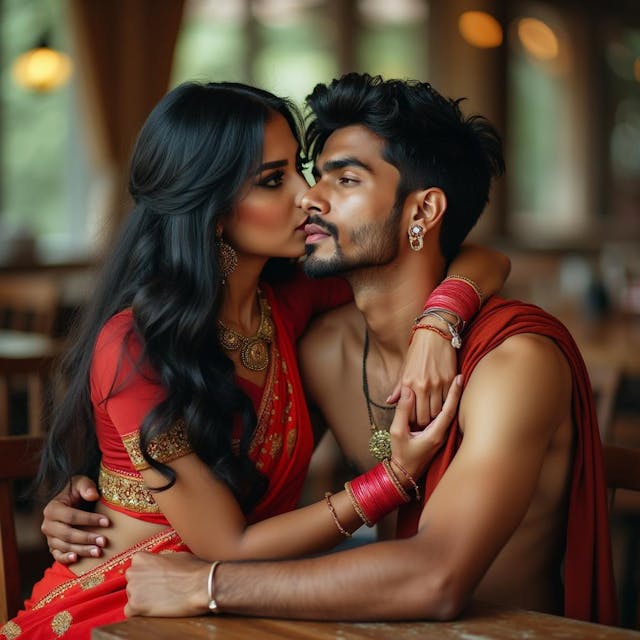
636, 69
538, 39
42, 69
480, 29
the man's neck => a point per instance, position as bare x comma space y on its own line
390, 297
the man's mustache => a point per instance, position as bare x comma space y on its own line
323, 224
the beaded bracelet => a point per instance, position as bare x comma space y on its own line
428, 327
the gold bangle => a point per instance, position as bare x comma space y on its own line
409, 477
211, 588
356, 506
394, 478
334, 515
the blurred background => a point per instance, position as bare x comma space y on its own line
559, 78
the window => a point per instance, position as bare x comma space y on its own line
42, 174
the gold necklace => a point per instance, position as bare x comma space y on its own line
254, 350
380, 440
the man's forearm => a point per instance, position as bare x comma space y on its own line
384, 581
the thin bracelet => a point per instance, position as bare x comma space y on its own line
334, 515
211, 588
409, 477
394, 478
456, 340
430, 327
356, 506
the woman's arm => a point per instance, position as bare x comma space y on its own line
431, 361
209, 520
487, 267
206, 515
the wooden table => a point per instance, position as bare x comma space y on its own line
481, 622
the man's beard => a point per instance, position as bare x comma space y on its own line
378, 244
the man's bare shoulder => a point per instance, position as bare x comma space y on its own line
527, 373
323, 349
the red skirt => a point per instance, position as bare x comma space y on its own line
65, 605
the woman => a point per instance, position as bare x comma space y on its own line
182, 390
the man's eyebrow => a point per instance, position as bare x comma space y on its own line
274, 164
340, 163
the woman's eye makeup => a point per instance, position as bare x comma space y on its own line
271, 180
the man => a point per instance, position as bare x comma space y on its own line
394, 161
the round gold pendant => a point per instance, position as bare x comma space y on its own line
380, 444
229, 340
254, 354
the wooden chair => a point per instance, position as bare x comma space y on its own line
29, 303
19, 458
622, 470
34, 372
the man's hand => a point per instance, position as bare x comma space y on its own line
429, 368
168, 585
67, 543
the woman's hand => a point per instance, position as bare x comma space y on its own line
429, 369
61, 516
414, 450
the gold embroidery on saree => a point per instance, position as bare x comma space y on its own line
292, 438
126, 491
61, 623
10, 630
122, 558
89, 582
170, 446
266, 410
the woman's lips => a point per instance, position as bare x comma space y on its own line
302, 225
315, 233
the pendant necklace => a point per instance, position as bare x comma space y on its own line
254, 350
380, 440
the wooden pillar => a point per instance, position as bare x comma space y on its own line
457, 69
345, 19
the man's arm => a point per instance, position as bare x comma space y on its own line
513, 403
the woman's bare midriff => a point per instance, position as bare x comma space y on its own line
123, 533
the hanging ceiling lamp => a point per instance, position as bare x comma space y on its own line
42, 68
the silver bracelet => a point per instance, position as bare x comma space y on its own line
456, 340
211, 588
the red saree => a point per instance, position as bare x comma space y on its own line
589, 589
63, 605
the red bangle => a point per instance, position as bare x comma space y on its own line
455, 295
376, 493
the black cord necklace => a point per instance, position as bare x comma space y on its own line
380, 440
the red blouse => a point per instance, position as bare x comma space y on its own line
134, 391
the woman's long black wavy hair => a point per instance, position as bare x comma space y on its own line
192, 158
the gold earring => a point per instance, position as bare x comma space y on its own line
227, 257
416, 232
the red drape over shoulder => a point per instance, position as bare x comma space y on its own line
588, 582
